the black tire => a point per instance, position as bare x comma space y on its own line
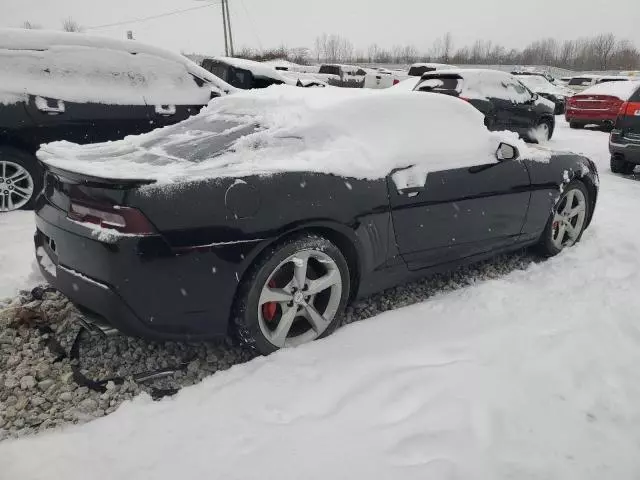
246, 318
27, 161
546, 246
576, 125
532, 137
619, 165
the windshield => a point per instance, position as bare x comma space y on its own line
330, 70
198, 138
440, 85
607, 80
581, 82
419, 71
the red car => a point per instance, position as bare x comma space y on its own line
599, 105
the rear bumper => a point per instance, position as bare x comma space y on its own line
590, 116
137, 287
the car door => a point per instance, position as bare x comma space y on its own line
524, 116
460, 212
84, 95
171, 91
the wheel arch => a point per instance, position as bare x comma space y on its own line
593, 194
340, 235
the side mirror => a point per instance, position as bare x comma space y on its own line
535, 97
506, 152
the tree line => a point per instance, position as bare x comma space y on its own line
599, 52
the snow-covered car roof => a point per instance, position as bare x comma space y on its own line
284, 129
16, 39
438, 66
621, 90
481, 83
540, 84
406, 85
264, 70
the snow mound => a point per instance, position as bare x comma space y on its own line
347, 132
621, 89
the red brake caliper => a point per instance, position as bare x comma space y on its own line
269, 309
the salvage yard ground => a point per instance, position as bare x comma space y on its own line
512, 369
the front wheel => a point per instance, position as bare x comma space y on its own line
19, 180
567, 221
619, 165
294, 294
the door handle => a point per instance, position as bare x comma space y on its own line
411, 191
44, 105
166, 110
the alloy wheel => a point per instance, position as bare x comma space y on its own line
300, 298
569, 219
16, 186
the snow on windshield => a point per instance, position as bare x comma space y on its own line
622, 90
347, 132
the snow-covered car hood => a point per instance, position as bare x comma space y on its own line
280, 129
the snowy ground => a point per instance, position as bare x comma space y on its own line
533, 375
17, 267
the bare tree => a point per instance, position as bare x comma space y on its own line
70, 25
30, 26
447, 47
409, 54
603, 48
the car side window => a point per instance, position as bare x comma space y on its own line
516, 92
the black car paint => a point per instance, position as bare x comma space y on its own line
237, 77
503, 113
624, 142
181, 283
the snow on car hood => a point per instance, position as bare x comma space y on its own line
347, 132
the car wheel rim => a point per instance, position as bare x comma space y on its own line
300, 299
569, 219
16, 186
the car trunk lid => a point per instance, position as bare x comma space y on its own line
596, 103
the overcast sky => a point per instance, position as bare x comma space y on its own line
269, 23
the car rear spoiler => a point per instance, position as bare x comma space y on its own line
93, 181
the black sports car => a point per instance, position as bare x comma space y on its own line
274, 252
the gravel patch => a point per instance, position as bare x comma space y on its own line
37, 389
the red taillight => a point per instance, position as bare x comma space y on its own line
464, 98
396, 81
630, 109
123, 219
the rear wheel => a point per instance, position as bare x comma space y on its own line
20, 181
576, 125
543, 132
294, 294
619, 165
567, 221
